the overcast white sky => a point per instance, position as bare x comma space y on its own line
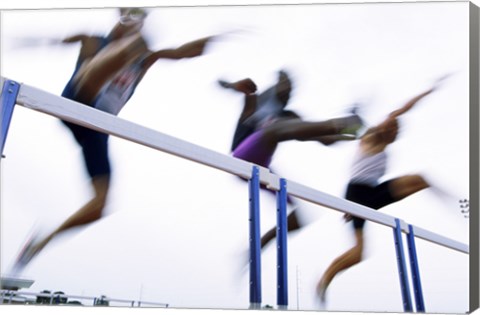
176, 232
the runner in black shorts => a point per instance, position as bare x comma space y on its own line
374, 197
366, 189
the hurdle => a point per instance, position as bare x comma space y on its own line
14, 93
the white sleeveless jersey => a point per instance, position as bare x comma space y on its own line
368, 169
118, 91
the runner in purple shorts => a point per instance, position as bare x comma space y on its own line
264, 123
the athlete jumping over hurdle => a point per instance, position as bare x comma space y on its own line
364, 187
107, 71
264, 123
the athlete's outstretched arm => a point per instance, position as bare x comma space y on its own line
245, 86
249, 89
189, 50
90, 45
410, 104
75, 38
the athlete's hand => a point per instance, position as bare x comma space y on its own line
193, 49
246, 86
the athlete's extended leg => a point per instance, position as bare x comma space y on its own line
89, 213
296, 129
293, 224
399, 188
348, 259
404, 186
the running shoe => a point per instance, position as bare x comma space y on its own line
26, 254
354, 125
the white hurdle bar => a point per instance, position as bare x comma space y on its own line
80, 114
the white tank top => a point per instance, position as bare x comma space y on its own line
368, 169
118, 91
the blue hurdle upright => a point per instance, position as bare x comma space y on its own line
9, 96
255, 243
